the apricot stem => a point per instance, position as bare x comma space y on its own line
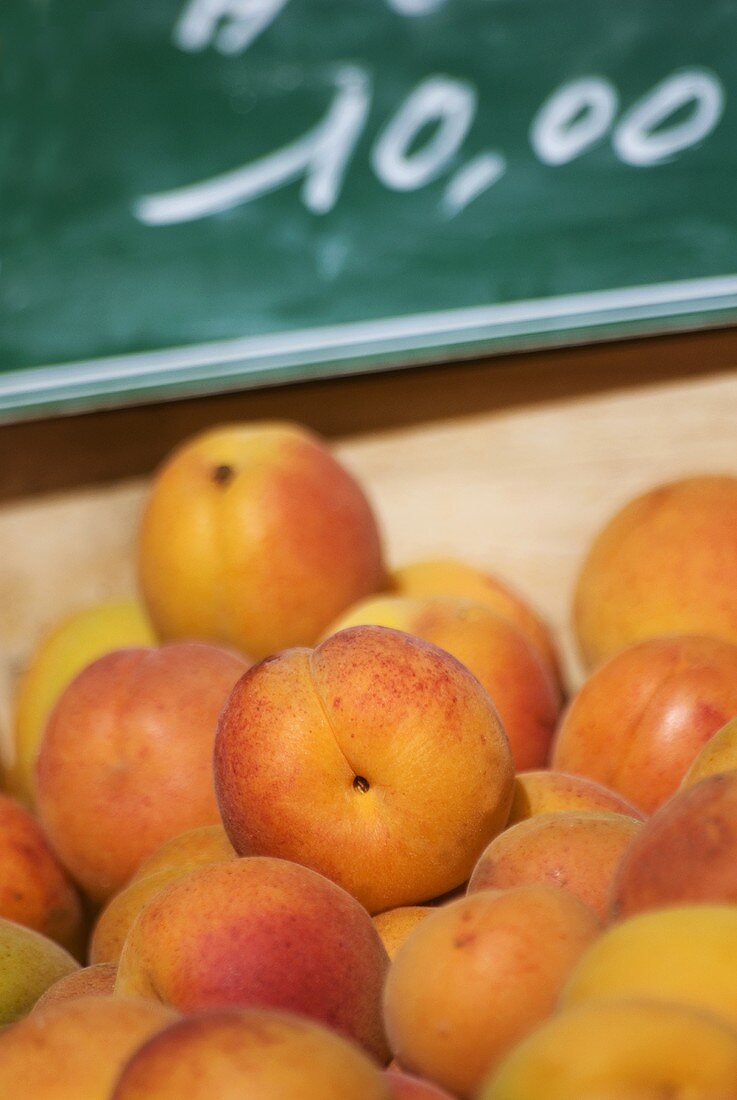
221, 475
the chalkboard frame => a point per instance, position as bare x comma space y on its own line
227, 365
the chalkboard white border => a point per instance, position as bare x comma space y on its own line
381, 343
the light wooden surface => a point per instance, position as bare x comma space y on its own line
518, 488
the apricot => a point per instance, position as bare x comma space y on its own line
686, 852
377, 759
74, 1050
34, 888
545, 791
255, 536
29, 964
396, 924
89, 981
65, 650
508, 665
126, 760
638, 722
666, 563
258, 932
629, 1050
479, 974
681, 954
578, 852
718, 755
450, 577
256, 1053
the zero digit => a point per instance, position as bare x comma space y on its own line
574, 118
641, 139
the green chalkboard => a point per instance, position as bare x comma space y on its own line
197, 195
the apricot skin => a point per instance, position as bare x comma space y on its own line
29, 964
114, 922
74, 1050
90, 981
405, 1086
639, 721
666, 563
187, 850
578, 852
253, 1053
622, 1049
545, 791
172, 861
34, 888
479, 974
396, 924
686, 852
682, 954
